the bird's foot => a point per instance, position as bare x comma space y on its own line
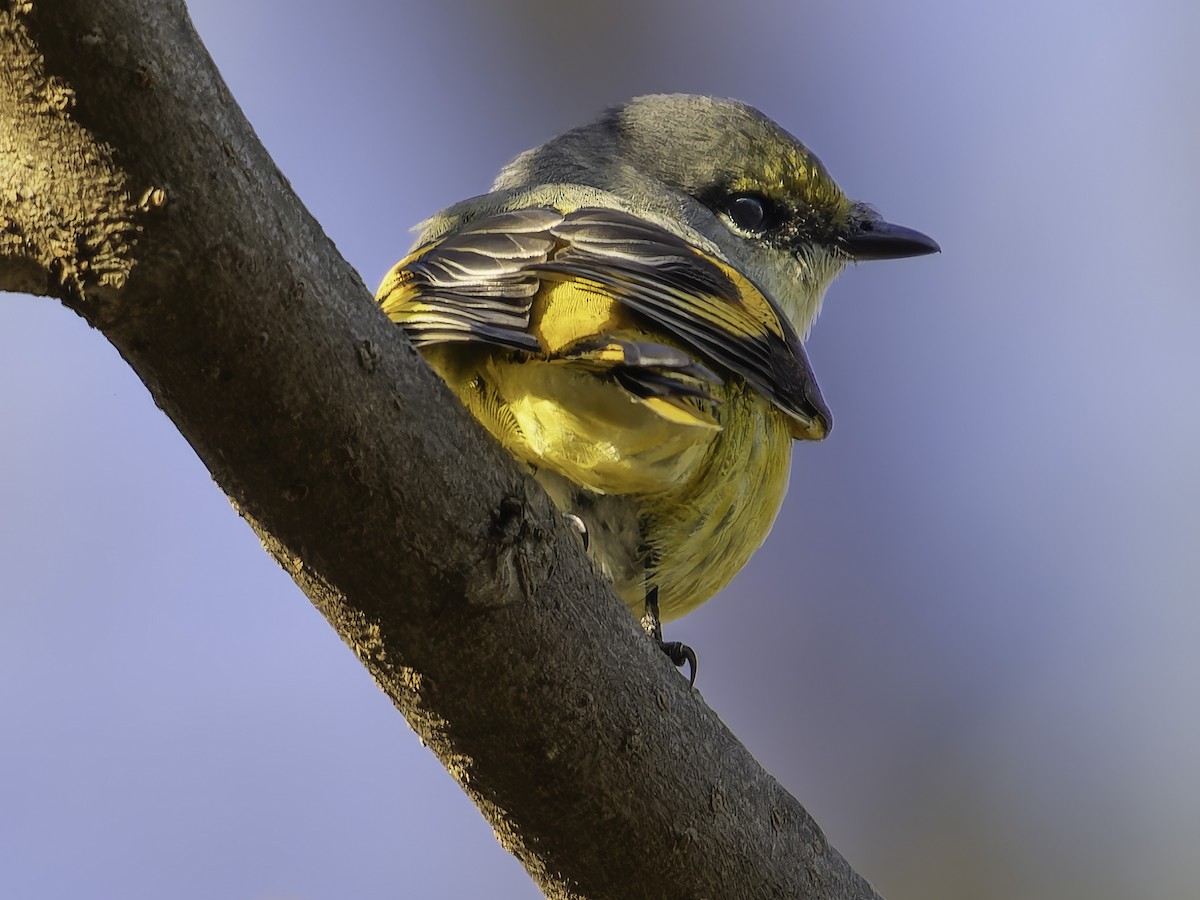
676, 652
580, 526
679, 654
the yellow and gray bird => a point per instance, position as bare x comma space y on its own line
625, 313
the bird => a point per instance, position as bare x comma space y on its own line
625, 312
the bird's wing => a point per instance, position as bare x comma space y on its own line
699, 299
664, 378
479, 283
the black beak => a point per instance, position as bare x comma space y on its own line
870, 237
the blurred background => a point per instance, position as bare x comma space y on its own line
970, 645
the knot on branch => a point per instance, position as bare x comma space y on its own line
65, 203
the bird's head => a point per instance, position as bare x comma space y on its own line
732, 174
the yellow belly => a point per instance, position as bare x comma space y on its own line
679, 506
704, 531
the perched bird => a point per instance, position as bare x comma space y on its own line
624, 312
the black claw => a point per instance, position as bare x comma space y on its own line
679, 654
676, 652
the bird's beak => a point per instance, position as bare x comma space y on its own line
868, 236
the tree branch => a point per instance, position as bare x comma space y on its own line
133, 189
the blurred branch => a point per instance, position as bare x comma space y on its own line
133, 190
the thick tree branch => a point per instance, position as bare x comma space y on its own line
132, 188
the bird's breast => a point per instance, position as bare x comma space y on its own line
703, 532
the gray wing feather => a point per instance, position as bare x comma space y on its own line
478, 284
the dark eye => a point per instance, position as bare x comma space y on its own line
750, 212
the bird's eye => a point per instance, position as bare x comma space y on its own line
753, 213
